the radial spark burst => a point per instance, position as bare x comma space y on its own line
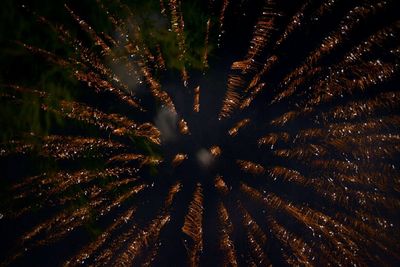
232, 133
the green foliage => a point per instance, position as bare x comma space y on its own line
156, 30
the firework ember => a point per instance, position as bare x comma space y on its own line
178, 159
196, 102
235, 129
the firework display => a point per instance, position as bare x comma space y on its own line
203, 133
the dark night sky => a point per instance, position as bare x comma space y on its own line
19, 66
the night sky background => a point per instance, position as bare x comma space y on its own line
28, 122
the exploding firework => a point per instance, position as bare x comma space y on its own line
208, 133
